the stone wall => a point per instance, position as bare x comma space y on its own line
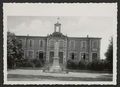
72, 47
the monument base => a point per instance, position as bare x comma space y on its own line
55, 67
55, 71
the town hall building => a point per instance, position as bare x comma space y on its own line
74, 48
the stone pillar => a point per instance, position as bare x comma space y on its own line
99, 49
56, 49
90, 53
47, 51
56, 66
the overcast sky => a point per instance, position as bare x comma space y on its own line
77, 20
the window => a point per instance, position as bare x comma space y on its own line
61, 44
30, 54
41, 55
22, 41
83, 56
83, 45
94, 44
41, 44
94, 56
72, 44
31, 43
51, 43
73, 55
51, 55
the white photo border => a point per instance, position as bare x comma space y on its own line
8, 12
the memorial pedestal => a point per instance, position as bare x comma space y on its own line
55, 67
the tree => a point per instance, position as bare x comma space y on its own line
109, 55
14, 50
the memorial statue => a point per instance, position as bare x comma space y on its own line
56, 66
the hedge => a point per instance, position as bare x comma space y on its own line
94, 65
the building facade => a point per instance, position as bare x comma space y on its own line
75, 48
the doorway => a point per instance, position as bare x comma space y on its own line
61, 57
51, 56
41, 55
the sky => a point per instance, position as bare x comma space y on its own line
77, 20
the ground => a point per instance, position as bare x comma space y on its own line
39, 75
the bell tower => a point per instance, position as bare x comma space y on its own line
57, 26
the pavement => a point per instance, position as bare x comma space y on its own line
30, 74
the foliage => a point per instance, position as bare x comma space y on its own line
71, 64
37, 62
98, 65
109, 55
82, 65
30, 63
24, 63
14, 50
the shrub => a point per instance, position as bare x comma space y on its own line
27, 64
71, 64
30, 63
108, 66
24, 63
14, 50
96, 65
81, 65
37, 62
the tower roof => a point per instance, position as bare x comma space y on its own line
57, 24
57, 34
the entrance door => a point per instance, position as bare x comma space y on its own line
51, 56
61, 57
83, 56
41, 55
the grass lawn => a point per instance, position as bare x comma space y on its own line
50, 78
73, 75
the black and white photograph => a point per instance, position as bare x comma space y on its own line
66, 43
